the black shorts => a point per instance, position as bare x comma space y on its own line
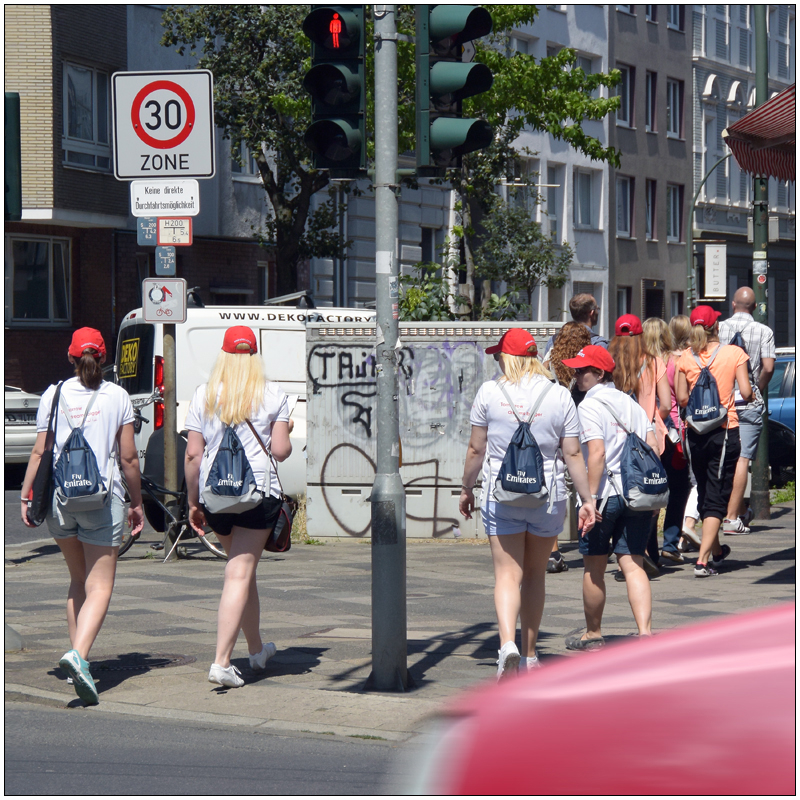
260, 518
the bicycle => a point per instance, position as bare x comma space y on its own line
166, 511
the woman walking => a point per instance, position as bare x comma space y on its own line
521, 538
89, 540
626, 531
238, 392
713, 454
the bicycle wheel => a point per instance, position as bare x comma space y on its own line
127, 540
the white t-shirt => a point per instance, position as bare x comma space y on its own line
555, 419
111, 410
597, 423
274, 408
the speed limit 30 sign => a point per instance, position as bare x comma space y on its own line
163, 124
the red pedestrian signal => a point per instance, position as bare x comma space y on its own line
335, 28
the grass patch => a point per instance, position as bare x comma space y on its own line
785, 495
364, 736
300, 524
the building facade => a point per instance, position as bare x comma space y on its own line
723, 90
650, 192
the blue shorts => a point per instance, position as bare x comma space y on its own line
627, 530
103, 526
750, 424
500, 519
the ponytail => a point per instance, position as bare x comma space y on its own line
700, 337
88, 371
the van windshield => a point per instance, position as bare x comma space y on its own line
135, 359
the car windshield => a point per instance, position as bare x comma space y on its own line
776, 381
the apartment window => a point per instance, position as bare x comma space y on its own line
652, 298
625, 91
674, 209
521, 183
587, 65
555, 199
432, 245
650, 13
675, 304
40, 280
583, 206
650, 209
675, 17
650, 80
674, 108
722, 37
626, 10
86, 120
245, 165
624, 298
624, 206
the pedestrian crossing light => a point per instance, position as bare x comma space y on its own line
336, 83
445, 76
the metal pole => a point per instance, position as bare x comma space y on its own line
759, 487
389, 633
170, 420
691, 289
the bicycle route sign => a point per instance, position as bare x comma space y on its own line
163, 124
164, 300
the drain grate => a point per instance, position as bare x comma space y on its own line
143, 661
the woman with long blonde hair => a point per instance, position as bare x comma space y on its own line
238, 393
521, 539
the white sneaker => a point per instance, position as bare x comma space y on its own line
259, 661
734, 527
691, 535
530, 663
225, 676
508, 661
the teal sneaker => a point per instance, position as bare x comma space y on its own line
78, 670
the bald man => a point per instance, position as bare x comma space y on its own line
759, 343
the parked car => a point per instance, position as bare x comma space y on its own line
623, 722
781, 401
20, 434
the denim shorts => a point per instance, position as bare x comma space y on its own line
627, 530
103, 526
750, 424
500, 519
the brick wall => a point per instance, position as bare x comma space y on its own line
29, 71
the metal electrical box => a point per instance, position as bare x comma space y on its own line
441, 366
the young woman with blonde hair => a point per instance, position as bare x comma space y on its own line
713, 454
521, 539
237, 392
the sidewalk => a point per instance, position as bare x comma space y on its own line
153, 653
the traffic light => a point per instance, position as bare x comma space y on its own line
336, 83
444, 79
13, 159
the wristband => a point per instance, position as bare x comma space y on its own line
25, 499
467, 488
594, 497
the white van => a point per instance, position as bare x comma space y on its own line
281, 338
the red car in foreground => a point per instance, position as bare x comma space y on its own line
705, 710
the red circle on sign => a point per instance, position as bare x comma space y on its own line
163, 144
762, 278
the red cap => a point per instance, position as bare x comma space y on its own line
86, 339
239, 339
515, 342
705, 316
593, 355
628, 325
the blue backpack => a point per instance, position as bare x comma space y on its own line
230, 485
704, 412
645, 486
78, 484
520, 481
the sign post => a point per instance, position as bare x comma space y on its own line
163, 142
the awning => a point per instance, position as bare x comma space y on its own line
763, 141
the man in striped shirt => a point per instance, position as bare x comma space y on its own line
759, 343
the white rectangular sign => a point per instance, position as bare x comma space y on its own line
163, 198
163, 124
716, 270
164, 299
172, 231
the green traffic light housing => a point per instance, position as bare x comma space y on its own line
336, 83
444, 79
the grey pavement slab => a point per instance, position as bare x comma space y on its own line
315, 605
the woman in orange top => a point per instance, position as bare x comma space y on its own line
713, 454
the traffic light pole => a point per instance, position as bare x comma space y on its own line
388, 509
759, 488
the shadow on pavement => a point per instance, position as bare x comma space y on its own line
43, 550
